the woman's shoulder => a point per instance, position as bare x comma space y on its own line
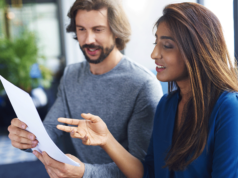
226, 108
168, 99
228, 99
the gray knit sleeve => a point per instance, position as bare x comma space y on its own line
141, 122
102, 170
57, 110
51, 122
139, 130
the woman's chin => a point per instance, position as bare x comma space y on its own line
161, 79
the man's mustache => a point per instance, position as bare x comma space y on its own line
92, 46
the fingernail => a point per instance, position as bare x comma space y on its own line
34, 142
23, 126
72, 132
34, 153
32, 137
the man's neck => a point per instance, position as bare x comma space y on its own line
107, 64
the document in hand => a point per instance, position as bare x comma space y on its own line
27, 113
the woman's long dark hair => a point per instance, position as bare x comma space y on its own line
199, 35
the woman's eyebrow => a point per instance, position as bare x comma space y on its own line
166, 37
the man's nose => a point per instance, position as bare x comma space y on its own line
90, 38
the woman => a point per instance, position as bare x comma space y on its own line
196, 124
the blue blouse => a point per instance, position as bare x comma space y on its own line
220, 156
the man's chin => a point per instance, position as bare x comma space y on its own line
91, 58
93, 61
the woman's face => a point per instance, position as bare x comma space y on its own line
168, 59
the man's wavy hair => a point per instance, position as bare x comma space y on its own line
117, 18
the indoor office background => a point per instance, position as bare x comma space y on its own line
39, 26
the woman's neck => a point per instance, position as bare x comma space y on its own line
185, 89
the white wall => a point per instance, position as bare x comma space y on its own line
72, 50
142, 15
224, 11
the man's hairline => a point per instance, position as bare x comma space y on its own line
106, 8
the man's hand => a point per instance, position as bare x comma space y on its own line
57, 169
21, 138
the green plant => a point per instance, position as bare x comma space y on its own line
2, 4
16, 58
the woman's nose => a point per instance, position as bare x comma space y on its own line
156, 53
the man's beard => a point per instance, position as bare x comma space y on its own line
104, 52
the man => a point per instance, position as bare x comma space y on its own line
107, 84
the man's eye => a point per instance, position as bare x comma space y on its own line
81, 29
98, 30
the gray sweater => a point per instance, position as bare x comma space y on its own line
125, 98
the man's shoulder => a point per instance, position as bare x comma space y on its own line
135, 69
73, 71
76, 67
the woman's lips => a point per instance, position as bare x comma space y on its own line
159, 67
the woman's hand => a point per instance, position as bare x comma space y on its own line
92, 130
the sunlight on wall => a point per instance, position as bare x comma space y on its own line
224, 11
136, 5
142, 22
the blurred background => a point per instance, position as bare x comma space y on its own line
35, 48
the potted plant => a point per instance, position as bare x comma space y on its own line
19, 58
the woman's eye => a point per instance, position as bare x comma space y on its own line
80, 29
155, 43
168, 46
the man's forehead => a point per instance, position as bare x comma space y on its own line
101, 13
92, 17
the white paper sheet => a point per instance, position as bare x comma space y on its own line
27, 113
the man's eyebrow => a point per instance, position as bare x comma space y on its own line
98, 26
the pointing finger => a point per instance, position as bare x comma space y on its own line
69, 121
66, 128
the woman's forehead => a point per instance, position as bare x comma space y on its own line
163, 30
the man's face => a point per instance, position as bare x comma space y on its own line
94, 35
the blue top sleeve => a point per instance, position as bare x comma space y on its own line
225, 154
